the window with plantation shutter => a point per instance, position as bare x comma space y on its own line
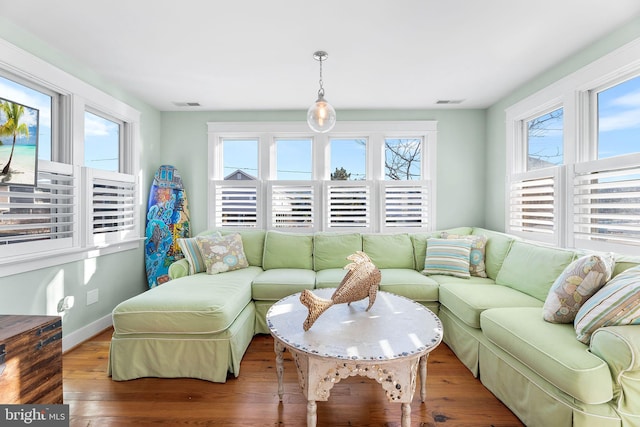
348, 205
573, 158
368, 176
533, 201
292, 205
111, 199
606, 202
40, 218
236, 203
406, 204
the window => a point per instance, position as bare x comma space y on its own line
402, 159
619, 119
334, 182
294, 159
348, 159
101, 142
574, 158
84, 202
545, 141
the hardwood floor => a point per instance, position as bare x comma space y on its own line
454, 396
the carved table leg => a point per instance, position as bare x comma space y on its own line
312, 414
279, 349
423, 378
406, 415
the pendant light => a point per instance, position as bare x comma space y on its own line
321, 116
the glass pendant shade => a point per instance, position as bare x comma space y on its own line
321, 116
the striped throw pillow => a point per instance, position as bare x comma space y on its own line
447, 256
192, 254
616, 304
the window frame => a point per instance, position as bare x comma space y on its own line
70, 98
577, 95
375, 133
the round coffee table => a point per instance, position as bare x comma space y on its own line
386, 343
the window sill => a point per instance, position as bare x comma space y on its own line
24, 263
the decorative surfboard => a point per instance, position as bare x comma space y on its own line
167, 221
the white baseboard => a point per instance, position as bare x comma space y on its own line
79, 336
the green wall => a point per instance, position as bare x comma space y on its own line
496, 117
460, 152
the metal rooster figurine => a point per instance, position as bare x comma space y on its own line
362, 280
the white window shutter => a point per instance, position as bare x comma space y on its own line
292, 205
348, 205
236, 203
406, 205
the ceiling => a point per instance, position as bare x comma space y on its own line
258, 54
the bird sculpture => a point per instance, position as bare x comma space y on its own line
361, 281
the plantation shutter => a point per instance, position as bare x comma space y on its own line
606, 202
40, 218
348, 204
406, 204
533, 204
292, 204
111, 201
236, 203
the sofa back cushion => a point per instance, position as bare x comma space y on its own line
287, 250
253, 243
532, 269
389, 250
330, 250
496, 249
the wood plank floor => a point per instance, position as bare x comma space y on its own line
454, 396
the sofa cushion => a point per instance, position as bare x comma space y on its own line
222, 253
496, 249
330, 250
253, 243
469, 299
330, 278
287, 250
550, 350
419, 242
409, 283
199, 304
389, 250
616, 304
275, 284
577, 283
532, 269
448, 256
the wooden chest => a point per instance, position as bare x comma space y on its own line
30, 359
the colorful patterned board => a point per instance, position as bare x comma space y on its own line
167, 220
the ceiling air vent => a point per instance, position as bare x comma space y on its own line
186, 104
449, 101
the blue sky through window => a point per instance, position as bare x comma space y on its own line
619, 119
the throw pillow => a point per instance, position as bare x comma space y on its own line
222, 253
191, 252
447, 256
477, 253
616, 304
578, 282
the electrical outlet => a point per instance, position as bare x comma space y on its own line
92, 296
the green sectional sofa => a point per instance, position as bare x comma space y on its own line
199, 325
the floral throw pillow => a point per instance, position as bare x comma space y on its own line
476, 254
222, 253
577, 283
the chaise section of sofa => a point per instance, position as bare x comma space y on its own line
199, 327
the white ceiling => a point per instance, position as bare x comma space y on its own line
257, 54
